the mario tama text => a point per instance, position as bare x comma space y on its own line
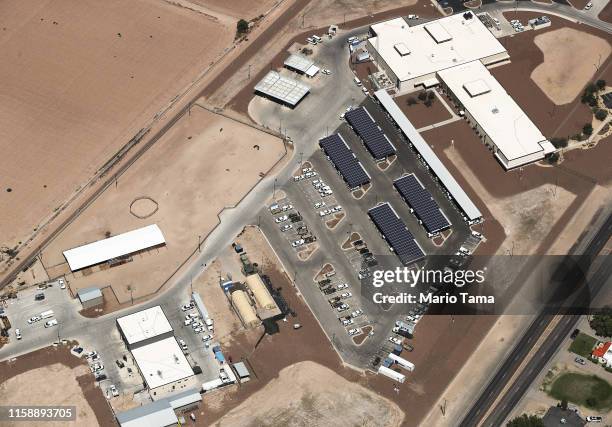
431, 298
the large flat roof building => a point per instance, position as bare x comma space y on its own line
411, 56
144, 327
162, 363
497, 119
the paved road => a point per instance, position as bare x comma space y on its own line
557, 9
529, 338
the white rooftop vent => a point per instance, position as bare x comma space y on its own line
495, 110
477, 87
402, 49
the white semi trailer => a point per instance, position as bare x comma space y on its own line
402, 362
400, 378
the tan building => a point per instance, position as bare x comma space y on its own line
244, 309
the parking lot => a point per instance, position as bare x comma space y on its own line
335, 245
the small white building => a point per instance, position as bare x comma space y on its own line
144, 327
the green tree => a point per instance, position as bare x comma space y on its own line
601, 84
587, 129
602, 322
242, 27
526, 421
411, 100
601, 114
431, 95
552, 158
559, 142
422, 96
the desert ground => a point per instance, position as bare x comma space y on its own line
237, 9
419, 114
45, 372
205, 163
43, 384
569, 56
79, 80
310, 394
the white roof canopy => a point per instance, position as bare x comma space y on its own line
113, 247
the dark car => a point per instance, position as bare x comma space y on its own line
575, 333
39, 297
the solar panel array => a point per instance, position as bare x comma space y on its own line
372, 136
423, 204
395, 232
344, 160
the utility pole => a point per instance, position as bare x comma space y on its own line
249, 77
199, 244
274, 189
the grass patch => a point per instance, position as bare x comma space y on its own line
585, 390
583, 345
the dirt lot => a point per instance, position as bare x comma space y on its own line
237, 9
569, 56
553, 120
419, 114
35, 378
205, 163
78, 82
310, 394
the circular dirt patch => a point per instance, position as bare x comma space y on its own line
143, 207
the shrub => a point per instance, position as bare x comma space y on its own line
422, 96
601, 114
552, 158
559, 142
601, 84
587, 129
242, 27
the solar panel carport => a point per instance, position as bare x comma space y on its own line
422, 203
395, 232
372, 136
344, 160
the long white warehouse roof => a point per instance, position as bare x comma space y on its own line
504, 122
162, 362
144, 324
452, 186
419, 50
113, 247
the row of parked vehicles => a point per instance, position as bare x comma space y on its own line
197, 324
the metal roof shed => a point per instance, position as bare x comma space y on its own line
114, 247
88, 294
452, 186
298, 63
156, 414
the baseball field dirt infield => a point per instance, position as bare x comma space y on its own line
205, 163
78, 80
569, 58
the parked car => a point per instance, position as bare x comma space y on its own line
207, 337
34, 319
580, 361
594, 419
319, 205
346, 322
187, 307
39, 297
395, 340
286, 227
346, 295
281, 218
62, 283
51, 323
343, 286
113, 390
342, 307
326, 71
18, 333
354, 331
356, 313
297, 243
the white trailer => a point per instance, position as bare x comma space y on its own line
402, 362
400, 378
46, 314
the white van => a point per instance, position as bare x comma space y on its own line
351, 39
51, 323
317, 38
209, 324
46, 314
18, 333
357, 81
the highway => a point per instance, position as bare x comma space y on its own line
499, 381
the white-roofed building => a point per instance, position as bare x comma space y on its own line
298, 63
411, 56
494, 115
144, 327
282, 89
114, 247
164, 367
